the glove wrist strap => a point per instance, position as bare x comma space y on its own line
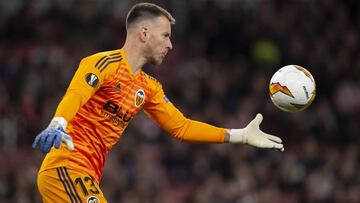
59, 121
236, 135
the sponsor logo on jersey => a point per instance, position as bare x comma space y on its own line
92, 79
139, 97
115, 113
93, 199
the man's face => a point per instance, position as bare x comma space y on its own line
158, 43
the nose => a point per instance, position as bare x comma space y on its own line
169, 45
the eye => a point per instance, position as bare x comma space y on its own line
166, 35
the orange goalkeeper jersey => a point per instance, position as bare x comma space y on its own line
102, 98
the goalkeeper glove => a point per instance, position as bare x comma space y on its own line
53, 135
252, 135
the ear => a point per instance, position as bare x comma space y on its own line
144, 33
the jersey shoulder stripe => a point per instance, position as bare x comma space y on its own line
105, 59
110, 62
108, 59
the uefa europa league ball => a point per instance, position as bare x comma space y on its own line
292, 88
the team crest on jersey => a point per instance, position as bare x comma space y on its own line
93, 199
92, 79
139, 97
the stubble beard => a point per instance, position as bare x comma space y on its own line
151, 59
154, 61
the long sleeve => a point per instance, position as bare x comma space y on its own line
90, 75
169, 118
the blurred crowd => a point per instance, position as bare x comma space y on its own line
225, 52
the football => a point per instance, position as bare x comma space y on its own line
292, 88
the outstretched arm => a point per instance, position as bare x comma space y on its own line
252, 135
168, 117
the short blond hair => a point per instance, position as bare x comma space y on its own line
146, 10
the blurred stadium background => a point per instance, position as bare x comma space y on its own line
225, 52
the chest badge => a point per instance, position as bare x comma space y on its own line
139, 97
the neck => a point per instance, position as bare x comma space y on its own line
134, 56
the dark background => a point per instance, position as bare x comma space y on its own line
224, 55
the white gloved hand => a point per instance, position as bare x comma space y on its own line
252, 135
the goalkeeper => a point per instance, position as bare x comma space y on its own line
106, 92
